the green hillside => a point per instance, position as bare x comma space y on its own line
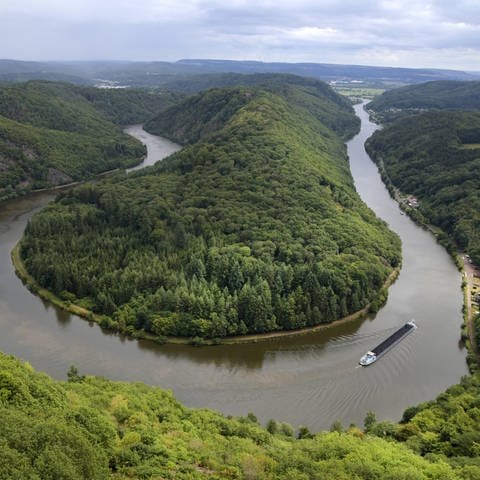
54, 133
447, 426
128, 106
440, 95
32, 157
255, 227
313, 95
63, 106
436, 157
92, 428
53, 106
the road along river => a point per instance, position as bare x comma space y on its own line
312, 379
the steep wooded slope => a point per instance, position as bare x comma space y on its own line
53, 133
314, 96
436, 157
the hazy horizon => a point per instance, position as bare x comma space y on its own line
108, 60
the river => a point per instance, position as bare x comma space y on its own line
157, 147
312, 379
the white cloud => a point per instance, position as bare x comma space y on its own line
105, 11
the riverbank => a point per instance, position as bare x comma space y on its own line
66, 186
102, 320
134, 165
468, 270
471, 287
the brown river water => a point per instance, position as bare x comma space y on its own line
312, 379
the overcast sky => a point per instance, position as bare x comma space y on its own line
409, 33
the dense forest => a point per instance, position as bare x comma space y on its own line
438, 95
92, 428
67, 107
253, 227
447, 426
315, 96
53, 133
436, 157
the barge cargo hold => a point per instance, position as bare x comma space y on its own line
386, 345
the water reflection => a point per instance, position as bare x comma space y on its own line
63, 317
252, 356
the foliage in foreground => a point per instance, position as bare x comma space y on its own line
255, 227
93, 428
446, 428
436, 157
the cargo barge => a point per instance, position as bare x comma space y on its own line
386, 345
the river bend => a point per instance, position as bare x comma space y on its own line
311, 379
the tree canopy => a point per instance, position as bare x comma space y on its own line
55, 133
314, 95
253, 227
92, 428
436, 157
437, 95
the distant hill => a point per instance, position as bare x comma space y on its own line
17, 71
197, 83
142, 74
254, 227
55, 133
441, 95
325, 71
97, 73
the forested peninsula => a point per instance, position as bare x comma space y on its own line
56, 133
255, 226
